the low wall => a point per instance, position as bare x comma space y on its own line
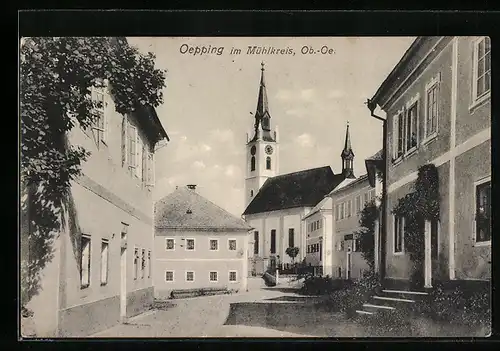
139, 301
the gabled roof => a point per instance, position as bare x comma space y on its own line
324, 204
299, 189
373, 163
348, 182
184, 209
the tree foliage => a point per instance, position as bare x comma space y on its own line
366, 235
421, 204
56, 76
292, 252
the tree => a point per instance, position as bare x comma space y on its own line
366, 234
292, 252
56, 76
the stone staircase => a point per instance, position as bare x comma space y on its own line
391, 302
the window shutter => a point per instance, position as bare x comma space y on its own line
150, 169
144, 165
138, 150
395, 136
124, 142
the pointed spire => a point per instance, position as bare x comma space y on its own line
347, 145
262, 105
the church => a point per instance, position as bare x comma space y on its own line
277, 204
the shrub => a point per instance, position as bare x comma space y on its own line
322, 285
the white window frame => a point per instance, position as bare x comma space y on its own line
413, 102
216, 276
229, 244
104, 262
474, 236
166, 246
165, 276
132, 162
337, 212
402, 225
349, 208
229, 277
358, 203
395, 136
186, 276
434, 83
476, 100
342, 210
86, 284
210, 244
101, 130
186, 245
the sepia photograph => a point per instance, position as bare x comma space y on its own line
251, 187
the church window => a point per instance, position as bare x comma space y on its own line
252, 164
268, 162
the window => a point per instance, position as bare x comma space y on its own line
190, 276
139, 161
232, 276
431, 111
213, 276
349, 208
482, 67
104, 262
251, 193
214, 245
398, 133
398, 234
320, 249
136, 263
150, 181
342, 210
232, 244
372, 194
291, 237
169, 276
132, 148
308, 248
366, 198
99, 122
337, 212
169, 244
256, 243
190, 244
483, 212
252, 164
268, 162
143, 263
84, 261
149, 264
273, 241
356, 245
411, 126
358, 203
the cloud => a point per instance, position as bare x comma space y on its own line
305, 140
183, 138
284, 95
232, 171
335, 94
222, 135
294, 112
206, 147
199, 165
307, 94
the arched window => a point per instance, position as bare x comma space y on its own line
268, 162
251, 193
252, 164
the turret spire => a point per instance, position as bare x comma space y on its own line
347, 156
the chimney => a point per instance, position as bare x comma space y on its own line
191, 186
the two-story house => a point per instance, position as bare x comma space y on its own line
436, 103
101, 270
198, 245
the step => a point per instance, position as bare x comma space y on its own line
395, 299
405, 292
369, 305
363, 312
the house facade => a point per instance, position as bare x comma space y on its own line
197, 245
349, 199
101, 271
436, 102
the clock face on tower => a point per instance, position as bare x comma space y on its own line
269, 149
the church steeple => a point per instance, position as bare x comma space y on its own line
347, 156
262, 124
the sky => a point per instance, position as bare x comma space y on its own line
208, 99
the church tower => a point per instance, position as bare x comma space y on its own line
347, 156
262, 148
